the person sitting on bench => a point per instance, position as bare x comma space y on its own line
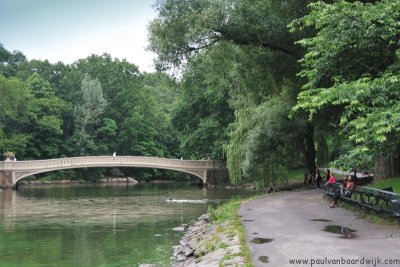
348, 190
344, 183
331, 181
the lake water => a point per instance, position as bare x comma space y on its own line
97, 225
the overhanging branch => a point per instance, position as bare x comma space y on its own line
253, 39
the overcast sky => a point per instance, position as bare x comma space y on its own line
67, 30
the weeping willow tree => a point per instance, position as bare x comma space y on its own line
264, 143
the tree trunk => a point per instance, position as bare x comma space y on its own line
387, 165
396, 162
382, 168
309, 152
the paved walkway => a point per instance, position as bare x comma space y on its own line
292, 226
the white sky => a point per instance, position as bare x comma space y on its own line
68, 30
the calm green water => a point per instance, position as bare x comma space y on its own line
98, 225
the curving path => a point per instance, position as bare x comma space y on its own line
290, 226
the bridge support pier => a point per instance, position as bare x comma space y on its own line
6, 179
215, 176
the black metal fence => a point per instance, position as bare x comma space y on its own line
381, 201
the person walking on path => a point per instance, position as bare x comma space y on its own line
318, 178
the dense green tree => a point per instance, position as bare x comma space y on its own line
10, 61
352, 66
185, 27
46, 119
260, 68
203, 113
164, 91
15, 106
46, 114
136, 120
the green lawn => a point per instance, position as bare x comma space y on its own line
391, 182
297, 174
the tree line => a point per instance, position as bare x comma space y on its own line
94, 106
265, 85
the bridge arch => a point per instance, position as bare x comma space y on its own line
13, 171
22, 175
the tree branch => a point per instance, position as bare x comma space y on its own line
191, 49
253, 40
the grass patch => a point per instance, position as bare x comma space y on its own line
393, 182
297, 175
228, 212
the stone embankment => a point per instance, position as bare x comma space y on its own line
209, 244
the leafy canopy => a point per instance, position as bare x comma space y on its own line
353, 62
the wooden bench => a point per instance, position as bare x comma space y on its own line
382, 202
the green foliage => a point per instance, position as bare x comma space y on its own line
185, 27
10, 62
262, 147
30, 114
93, 107
353, 63
238, 64
46, 119
350, 157
226, 212
235, 57
295, 174
202, 113
15, 106
164, 93
88, 115
14, 103
185, 22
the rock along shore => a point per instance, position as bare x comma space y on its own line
209, 244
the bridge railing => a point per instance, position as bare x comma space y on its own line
107, 160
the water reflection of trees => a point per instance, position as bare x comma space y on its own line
97, 210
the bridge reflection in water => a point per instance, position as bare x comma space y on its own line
209, 171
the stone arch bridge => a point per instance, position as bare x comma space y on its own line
209, 171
